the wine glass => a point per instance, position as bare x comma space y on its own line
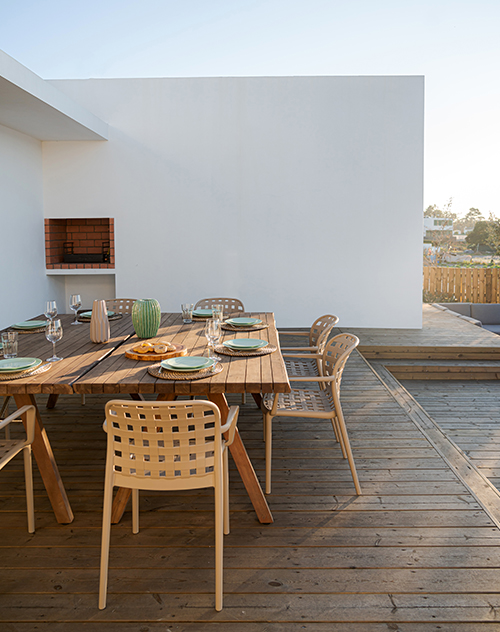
75, 302
53, 333
50, 310
212, 334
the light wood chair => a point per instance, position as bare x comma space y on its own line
316, 404
9, 448
120, 305
307, 363
231, 305
167, 446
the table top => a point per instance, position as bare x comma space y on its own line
103, 368
119, 374
79, 354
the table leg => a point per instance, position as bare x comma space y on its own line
119, 503
52, 400
257, 398
47, 465
244, 465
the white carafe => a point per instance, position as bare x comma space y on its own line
99, 322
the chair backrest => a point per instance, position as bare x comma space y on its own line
164, 445
320, 330
120, 305
231, 305
335, 356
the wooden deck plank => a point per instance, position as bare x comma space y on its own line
415, 552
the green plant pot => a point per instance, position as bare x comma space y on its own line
146, 316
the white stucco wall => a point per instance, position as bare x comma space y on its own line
276, 190
25, 287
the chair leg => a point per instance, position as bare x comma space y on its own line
28, 476
338, 436
268, 423
135, 511
350, 458
219, 540
106, 534
226, 492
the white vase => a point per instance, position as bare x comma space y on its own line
99, 323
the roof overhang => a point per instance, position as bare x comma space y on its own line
33, 106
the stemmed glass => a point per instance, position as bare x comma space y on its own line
53, 333
212, 334
75, 302
50, 310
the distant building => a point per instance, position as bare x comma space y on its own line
437, 226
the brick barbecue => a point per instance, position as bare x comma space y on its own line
79, 243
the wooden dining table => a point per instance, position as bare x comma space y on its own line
89, 368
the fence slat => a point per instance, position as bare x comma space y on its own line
465, 285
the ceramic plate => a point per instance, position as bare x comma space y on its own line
89, 314
245, 344
30, 324
18, 364
202, 312
243, 322
187, 363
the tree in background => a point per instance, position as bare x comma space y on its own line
468, 222
435, 211
486, 233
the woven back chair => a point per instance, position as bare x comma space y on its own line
317, 404
167, 446
231, 305
318, 334
308, 363
120, 305
9, 448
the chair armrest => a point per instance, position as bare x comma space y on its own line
299, 349
30, 421
303, 356
293, 333
230, 425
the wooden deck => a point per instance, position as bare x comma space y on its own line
469, 414
417, 552
446, 347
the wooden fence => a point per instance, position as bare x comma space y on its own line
466, 285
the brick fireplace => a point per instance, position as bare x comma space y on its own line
79, 243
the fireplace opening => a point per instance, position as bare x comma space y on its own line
79, 243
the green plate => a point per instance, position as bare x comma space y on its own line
89, 314
187, 363
245, 344
12, 365
30, 324
203, 313
243, 322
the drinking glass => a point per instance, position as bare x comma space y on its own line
218, 311
187, 313
53, 333
212, 334
75, 302
9, 344
50, 310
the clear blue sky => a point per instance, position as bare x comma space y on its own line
455, 44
